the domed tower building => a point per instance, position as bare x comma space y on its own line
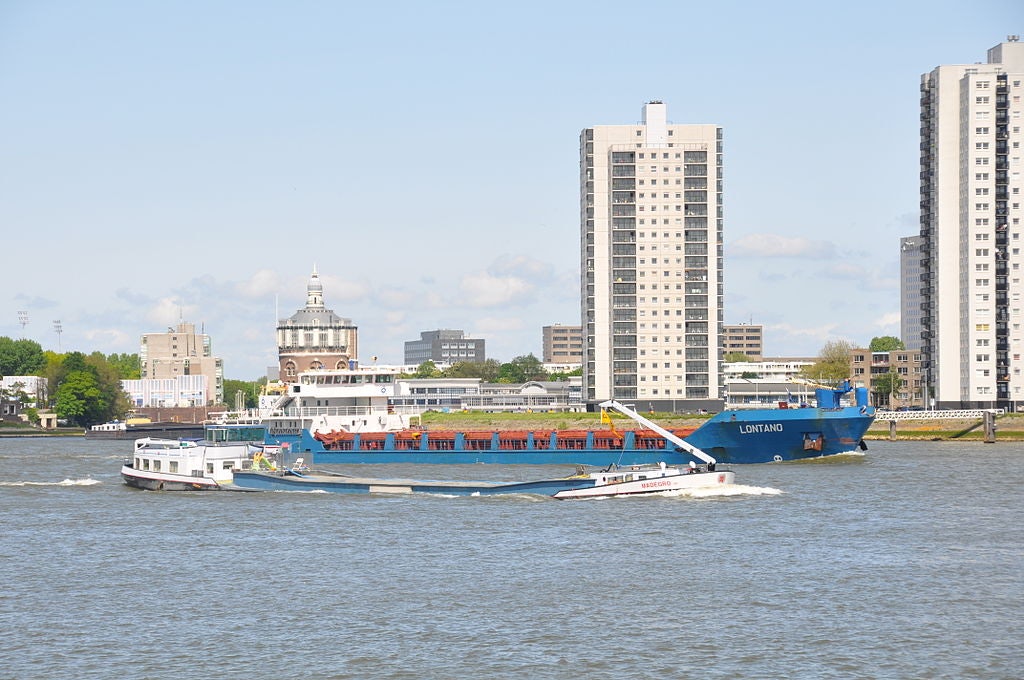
314, 336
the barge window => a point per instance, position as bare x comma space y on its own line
145, 463
173, 465
156, 465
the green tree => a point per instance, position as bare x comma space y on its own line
108, 378
16, 392
487, 371
20, 357
428, 369
128, 366
733, 357
249, 389
886, 343
85, 389
521, 369
833, 364
565, 375
79, 399
885, 387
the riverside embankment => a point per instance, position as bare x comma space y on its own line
1009, 427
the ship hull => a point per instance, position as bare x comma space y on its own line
164, 430
736, 437
157, 482
640, 482
776, 435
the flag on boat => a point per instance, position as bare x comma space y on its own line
607, 420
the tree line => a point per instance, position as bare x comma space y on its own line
85, 389
521, 369
82, 389
833, 366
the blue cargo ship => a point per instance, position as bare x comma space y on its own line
355, 435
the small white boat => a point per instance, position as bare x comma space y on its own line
645, 479
197, 465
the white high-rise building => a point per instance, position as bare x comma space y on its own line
972, 306
910, 291
651, 263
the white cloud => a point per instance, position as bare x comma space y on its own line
888, 321
483, 289
112, 338
499, 324
401, 299
775, 245
169, 311
520, 265
336, 288
805, 340
262, 283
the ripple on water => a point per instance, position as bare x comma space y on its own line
890, 564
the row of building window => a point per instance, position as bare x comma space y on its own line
691, 156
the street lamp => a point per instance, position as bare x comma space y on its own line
23, 320
58, 330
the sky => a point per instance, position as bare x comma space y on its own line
194, 161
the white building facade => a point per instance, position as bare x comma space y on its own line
32, 385
651, 263
972, 320
178, 392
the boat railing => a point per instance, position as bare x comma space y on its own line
313, 411
257, 415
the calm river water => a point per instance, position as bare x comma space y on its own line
906, 562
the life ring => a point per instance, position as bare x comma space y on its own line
863, 410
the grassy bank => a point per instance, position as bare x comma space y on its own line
1010, 427
11, 430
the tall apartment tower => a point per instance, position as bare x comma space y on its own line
972, 334
910, 291
651, 263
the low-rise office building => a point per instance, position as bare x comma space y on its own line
445, 346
